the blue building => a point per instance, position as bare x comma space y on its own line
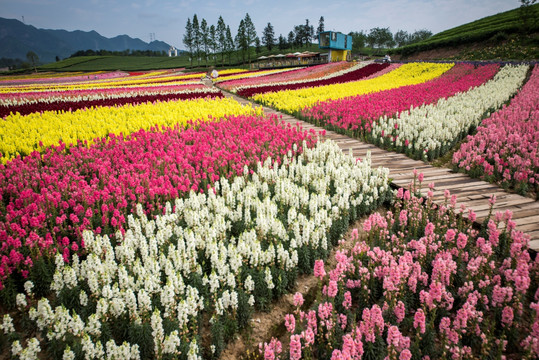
338, 44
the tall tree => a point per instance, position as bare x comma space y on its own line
291, 39
282, 42
188, 39
359, 40
401, 38
241, 40
250, 34
419, 35
320, 25
258, 47
205, 39
229, 43
221, 37
381, 37
268, 37
213, 41
197, 38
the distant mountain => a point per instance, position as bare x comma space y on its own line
16, 39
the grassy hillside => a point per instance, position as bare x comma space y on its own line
135, 63
518, 25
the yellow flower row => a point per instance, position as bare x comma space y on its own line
21, 135
408, 74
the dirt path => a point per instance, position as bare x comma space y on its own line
265, 325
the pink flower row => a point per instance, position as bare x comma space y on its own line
422, 283
506, 146
46, 200
355, 75
311, 72
358, 113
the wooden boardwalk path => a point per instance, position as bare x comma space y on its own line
474, 193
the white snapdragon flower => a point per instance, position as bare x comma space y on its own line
7, 324
28, 287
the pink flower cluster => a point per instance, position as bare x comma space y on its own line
505, 149
46, 200
355, 75
358, 113
311, 72
423, 283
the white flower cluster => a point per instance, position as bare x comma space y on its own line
156, 261
435, 126
328, 76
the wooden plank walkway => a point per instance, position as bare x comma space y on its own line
473, 193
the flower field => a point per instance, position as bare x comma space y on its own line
506, 147
145, 215
423, 284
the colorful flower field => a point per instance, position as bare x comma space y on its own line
422, 283
148, 216
506, 147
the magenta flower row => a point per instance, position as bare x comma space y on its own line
358, 113
47, 199
506, 146
347, 77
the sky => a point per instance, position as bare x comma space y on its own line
165, 20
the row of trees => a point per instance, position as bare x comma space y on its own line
204, 42
379, 38
127, 52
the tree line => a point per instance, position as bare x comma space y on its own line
127, 52
207, 42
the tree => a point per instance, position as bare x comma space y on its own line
33, 59
401, 38
188, 39
213, 41
258, 47
205, 39
197, 38
268, 37
282, 42
381, 37
221, 37
320, 28
359, 39
250, 34
419, 35
229, 43
291, 39
241, 40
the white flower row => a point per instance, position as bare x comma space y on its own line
100, 96
435, 126
157, 259
328, 76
